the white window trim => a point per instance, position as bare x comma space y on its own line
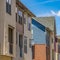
9, 1
20, 13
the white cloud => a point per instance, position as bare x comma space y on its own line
55, 13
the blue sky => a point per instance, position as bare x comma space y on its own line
45, 8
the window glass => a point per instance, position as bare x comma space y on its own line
29, 26
20, 18
19, 13
16, 17
25, 44
21, 52
30, 43
8, 7
29, 23
47, 38
20, 41
7, 1
10, 2
10, 39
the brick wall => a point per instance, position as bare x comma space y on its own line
40, 52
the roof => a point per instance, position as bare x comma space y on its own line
48, 22
38, 25
25, 8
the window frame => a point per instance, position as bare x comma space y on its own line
29, 26
8, 6
20, 16
20, 19
9, 1
25, 44
33, 52
10, 38
48, 38
29, 23
21, 44
30, 43
20, 41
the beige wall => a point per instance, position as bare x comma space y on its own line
1, 24
7, 20
28, 34
51, 44
19, 30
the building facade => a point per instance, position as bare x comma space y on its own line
57, 46
16, 25
15, 31
7, 29
43, 36
23, 32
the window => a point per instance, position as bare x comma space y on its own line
29, 26
29, 23
16, 17
20, 41
48, 38
16, 37
20, 17
8, 6
20, 44
10, 39
20, 52
33, 51
30, 43
25, 44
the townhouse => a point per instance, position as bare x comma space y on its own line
15, 31
7, 29
57, 48
23, 32
44, 31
